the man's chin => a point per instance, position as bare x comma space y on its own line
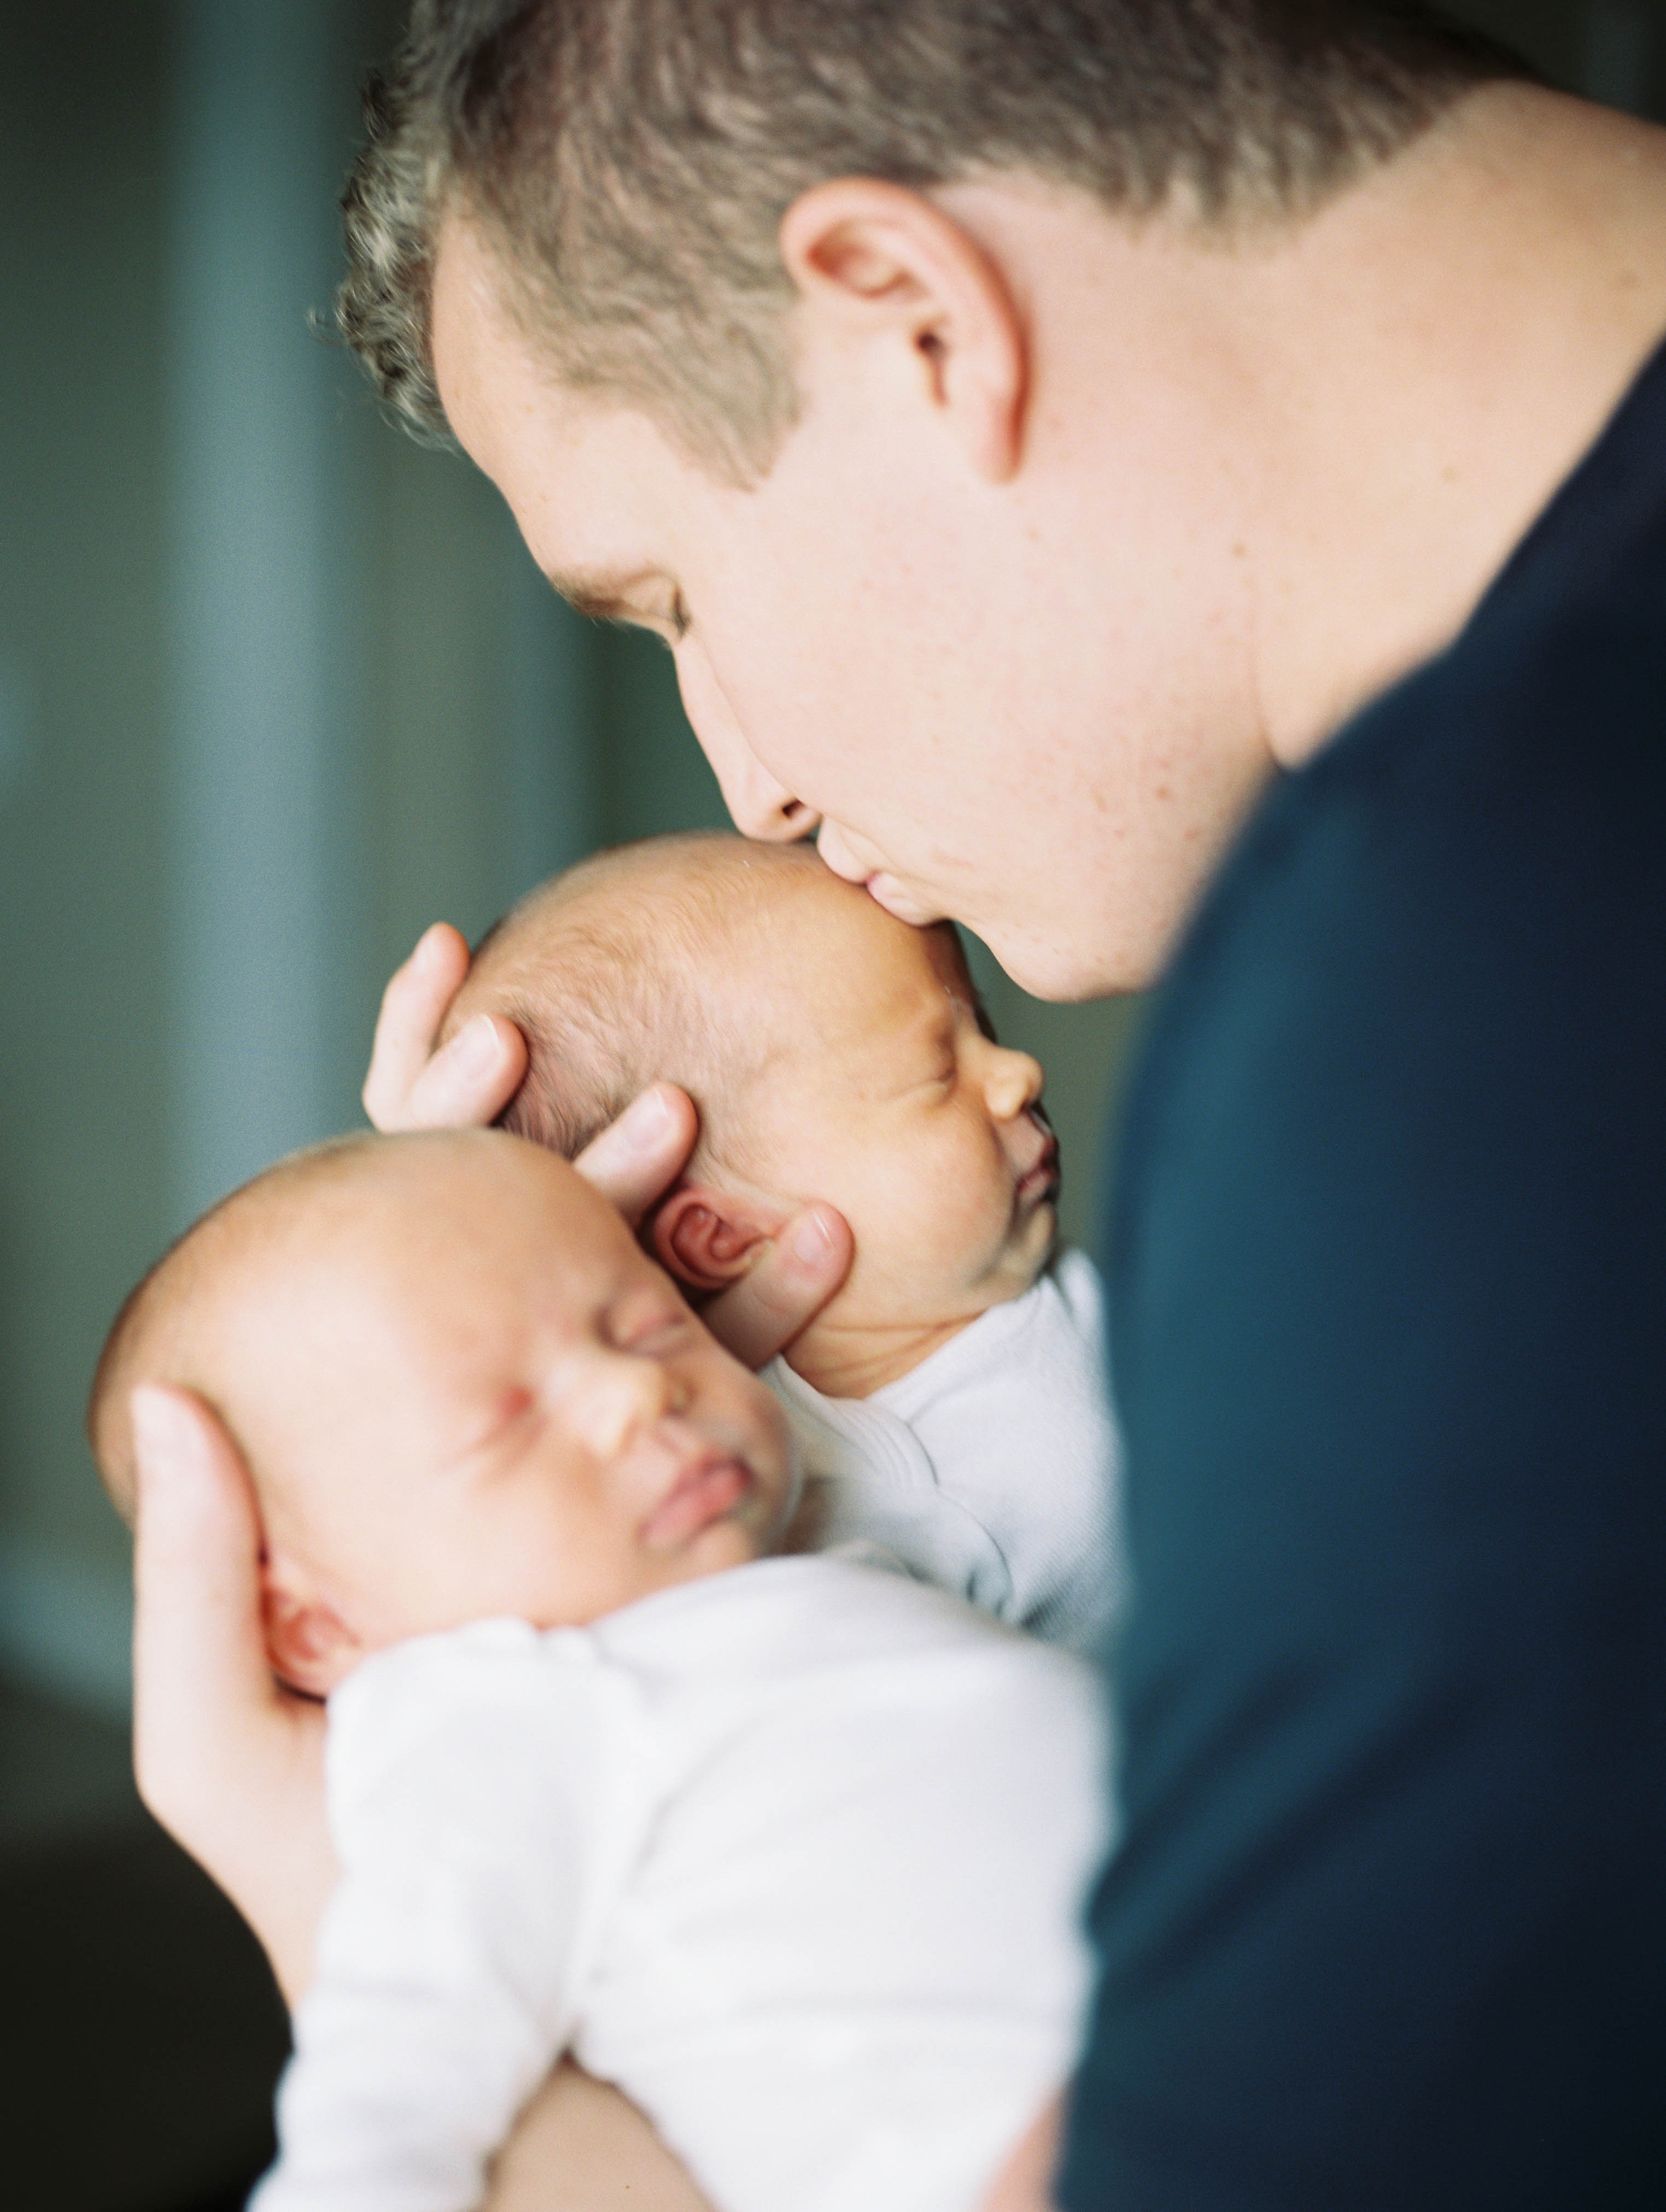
1064, 974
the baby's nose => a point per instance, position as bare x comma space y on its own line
1012, 1081
627, 1395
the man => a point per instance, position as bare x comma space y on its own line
1036, 430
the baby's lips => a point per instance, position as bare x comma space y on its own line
1045, 1172
701, 1493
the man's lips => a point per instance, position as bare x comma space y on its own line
898, 902
699, 1494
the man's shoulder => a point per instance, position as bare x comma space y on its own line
1395, 1144
1530, 749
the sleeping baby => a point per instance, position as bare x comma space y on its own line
950, 1403
790, 1847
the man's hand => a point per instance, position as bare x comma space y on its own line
1024, 2184
464, 1085
580, 2146
469, 1081
230, 1763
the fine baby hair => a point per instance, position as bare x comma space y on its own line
949, 1402
632, 968
462, 1392
167, 1329
832, 1051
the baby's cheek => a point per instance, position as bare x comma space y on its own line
941, 1227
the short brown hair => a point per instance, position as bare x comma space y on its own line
631, 159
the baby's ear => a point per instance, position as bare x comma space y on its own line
707, 1238
310, 1646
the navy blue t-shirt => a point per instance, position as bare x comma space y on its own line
1389, 1318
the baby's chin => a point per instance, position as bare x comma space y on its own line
1023, 1260
874, 1332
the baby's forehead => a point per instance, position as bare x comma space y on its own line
711, 964
817, 968
415, 1214
813, 930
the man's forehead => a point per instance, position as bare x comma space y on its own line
586, 477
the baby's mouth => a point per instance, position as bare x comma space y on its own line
701, 1491
1042, 1180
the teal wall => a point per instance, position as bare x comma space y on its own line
84, 980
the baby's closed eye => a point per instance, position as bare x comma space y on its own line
645, 1323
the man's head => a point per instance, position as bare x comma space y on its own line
633, 159
462, 1392
833, 1052
874, 355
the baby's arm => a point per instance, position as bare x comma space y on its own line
486, 1800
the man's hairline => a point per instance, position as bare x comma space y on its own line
597, 593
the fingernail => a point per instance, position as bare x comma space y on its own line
475, 1048
810, 1241
647, 1121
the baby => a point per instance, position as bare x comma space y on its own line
790, 1848
949, 1402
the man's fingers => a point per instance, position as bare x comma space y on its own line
1024, 2184
471, 1080
199, 1661
580, 2146
413, 1006
792, 1280
638, 1157
232, 1765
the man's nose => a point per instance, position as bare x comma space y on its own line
1012, 1081
759, 805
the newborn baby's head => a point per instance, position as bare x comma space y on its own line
833, 1052
462, 1390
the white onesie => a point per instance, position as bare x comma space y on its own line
795, 1854
993, 1469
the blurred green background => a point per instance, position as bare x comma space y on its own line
278, 688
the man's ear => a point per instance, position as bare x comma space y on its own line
309, 1644
877, 258
707, 1238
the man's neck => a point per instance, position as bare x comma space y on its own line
1437, 350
